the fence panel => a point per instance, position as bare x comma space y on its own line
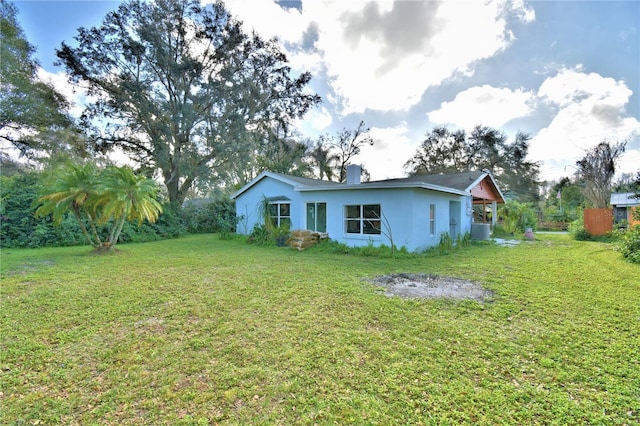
632, 220
598, 221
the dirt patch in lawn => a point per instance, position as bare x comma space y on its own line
423, 286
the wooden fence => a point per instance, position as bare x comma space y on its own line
632, 220
598, 221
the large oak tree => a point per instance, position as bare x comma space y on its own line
29, 107
181, 88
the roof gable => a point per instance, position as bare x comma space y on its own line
294, 181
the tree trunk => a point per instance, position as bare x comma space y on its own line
115, 233
92, 222
172, 188
84, 229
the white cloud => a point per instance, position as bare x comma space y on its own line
267, 18
75, 95
630, 160
523, 13
392, 148
315, 121
573, 87
383, 55
590, 108
585, 109
486, 105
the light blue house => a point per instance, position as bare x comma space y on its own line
415, 211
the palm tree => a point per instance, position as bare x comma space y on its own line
114, 195
323, 159
73, 189
125, 196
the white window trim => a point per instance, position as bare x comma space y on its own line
278, 218
361, 219
433, 214
315, 204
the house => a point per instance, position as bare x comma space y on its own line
623, 205
414, 211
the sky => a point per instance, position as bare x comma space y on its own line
565, 72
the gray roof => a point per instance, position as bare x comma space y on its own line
460, 181
454, 183
305, 181
623, 199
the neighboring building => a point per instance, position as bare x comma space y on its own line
623, 204
415, 210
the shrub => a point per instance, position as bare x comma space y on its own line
629, 243
518, 216
260, 235
445, 246
202, 216
20, 228
463, 240
578, 232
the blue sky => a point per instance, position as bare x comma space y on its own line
568, 73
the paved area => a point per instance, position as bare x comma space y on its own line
506, 243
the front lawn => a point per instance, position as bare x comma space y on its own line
203, 331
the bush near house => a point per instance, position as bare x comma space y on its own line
517, 216
207, 216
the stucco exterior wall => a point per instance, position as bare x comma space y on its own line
407, 211
248, 204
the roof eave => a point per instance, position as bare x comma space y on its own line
382, 185
493, 181
261, 176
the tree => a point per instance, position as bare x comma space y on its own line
443, 151
348, 145
280, 151
446, 151
636, 183
73, 190
322, 159
597, 169
184, 89
125, 196
96, 197
331, 155
517, 216
628, 182
28, 105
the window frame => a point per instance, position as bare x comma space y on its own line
316, 215
432, 219
278, 219
363, 218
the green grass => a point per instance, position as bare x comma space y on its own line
203, 331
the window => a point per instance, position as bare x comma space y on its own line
280, 213
317, 217
432, 219
362, 219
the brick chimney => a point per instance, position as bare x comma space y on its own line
353, 174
